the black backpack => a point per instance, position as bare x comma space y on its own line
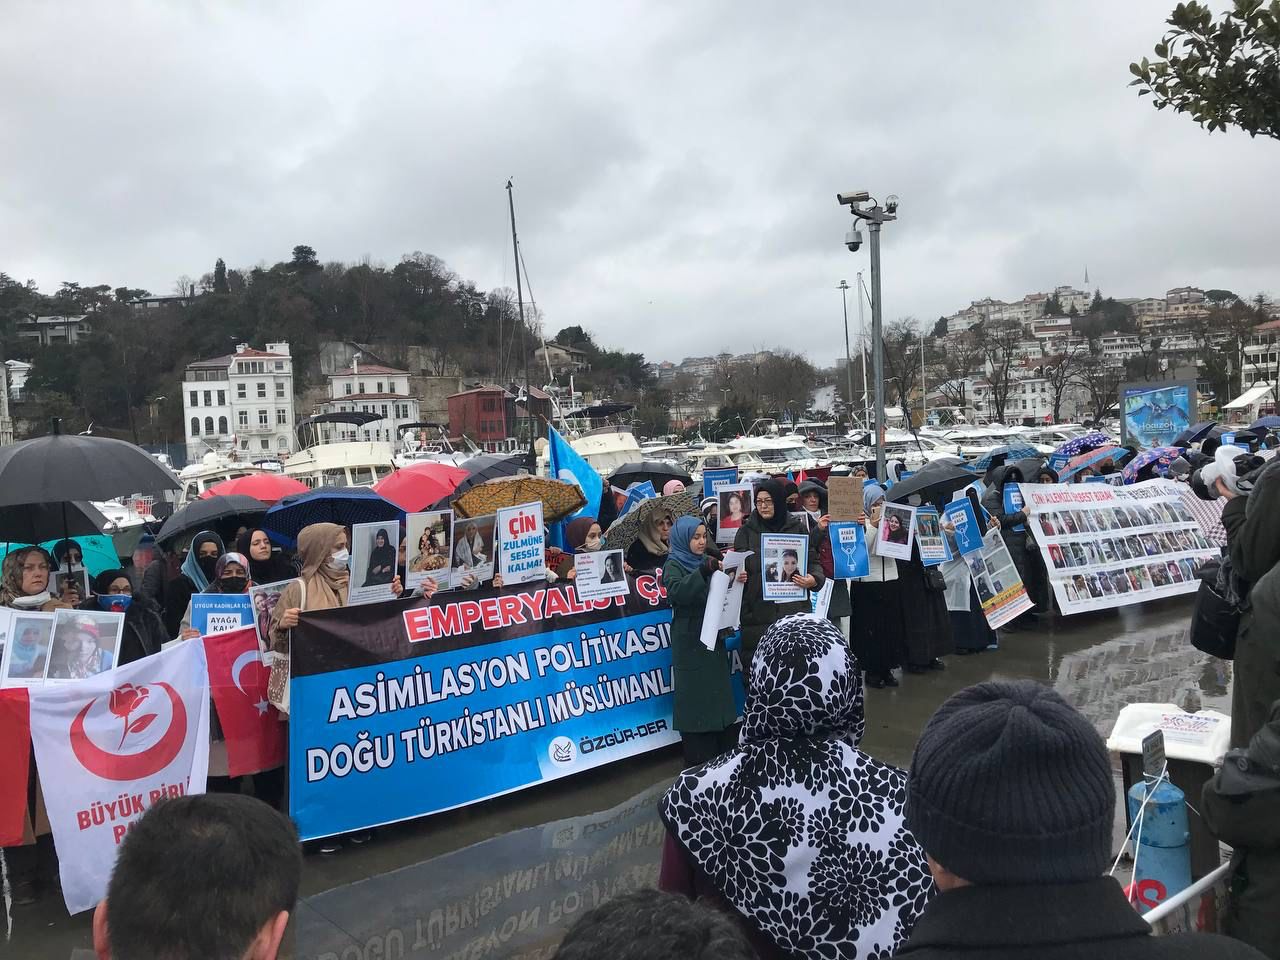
1215, 619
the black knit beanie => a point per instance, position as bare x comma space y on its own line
1010, 784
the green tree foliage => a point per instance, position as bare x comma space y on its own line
1052, 306
220, 277
1224, 298
653, 414
940, 327
1223, 73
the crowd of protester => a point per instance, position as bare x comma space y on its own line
783, 839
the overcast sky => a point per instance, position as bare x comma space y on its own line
676, 164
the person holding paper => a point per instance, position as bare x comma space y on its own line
266, 565
703, 708
584, 535
770, 516
813, 501
144, 631
875, 629
1013, 529
230, 575
649, 551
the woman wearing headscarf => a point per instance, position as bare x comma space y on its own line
24, 586
583, 535
196, 572
797, 833
813, 510
266, 564
926, 628
144, 631
382, 561
770, 516
969, 628
26, 577
650, 549
1013, 529
230, 575
875, 629
703, 709
469, 551
672, 486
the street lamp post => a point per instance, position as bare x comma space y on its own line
848, 359
875, 216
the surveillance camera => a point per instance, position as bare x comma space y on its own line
853, 240
856, 196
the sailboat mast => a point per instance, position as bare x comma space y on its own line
524, 349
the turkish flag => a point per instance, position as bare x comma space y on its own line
15, 764
238, 678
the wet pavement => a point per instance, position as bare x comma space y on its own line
505, 877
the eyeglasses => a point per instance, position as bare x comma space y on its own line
764, 501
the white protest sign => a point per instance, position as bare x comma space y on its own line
600, 575
522, 544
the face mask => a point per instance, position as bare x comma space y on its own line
33, 602
233, 584
340, 560
115, 602
592, 543
207, 565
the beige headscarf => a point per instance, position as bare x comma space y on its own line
650, 535
11, 578
325, 587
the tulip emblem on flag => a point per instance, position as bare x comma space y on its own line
147, 753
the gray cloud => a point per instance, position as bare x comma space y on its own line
675, 165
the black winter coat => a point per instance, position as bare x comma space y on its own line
1069, 921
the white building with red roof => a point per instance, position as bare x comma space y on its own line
372, 388
240, 403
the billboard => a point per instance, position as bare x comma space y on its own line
1152, 414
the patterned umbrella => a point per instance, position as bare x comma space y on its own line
1078, 445
1019, 451
626, 529
1091, 458
1161, 457
344, 505
485, 466
559, 499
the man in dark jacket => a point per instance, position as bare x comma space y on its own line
1241, 805
1011, 796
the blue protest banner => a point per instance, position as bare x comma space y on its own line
968, 532
849, 549
1013, 503
568, 465
399, 710
635, 493
220, 612
713, 480
1057, 461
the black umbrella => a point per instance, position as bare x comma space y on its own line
657, 471
204, 514
1028, 467
486, 466
61, 467
34, 522
1197, 431
944, 476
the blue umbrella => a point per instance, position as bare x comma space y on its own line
1197, 431
1160, 456
1010, 453
344, 505
1091, 458
1078, 445
1265, 423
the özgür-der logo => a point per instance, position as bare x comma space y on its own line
562, 751
133, 733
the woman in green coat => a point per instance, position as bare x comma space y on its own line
704, 710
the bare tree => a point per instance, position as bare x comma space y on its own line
1101, 380
961, 354
787, 380
999, 342
902, 357
1062, 372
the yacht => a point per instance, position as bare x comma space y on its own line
333, 459
428, 442
215, 467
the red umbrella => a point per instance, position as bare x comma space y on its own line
418, 486
267, 487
